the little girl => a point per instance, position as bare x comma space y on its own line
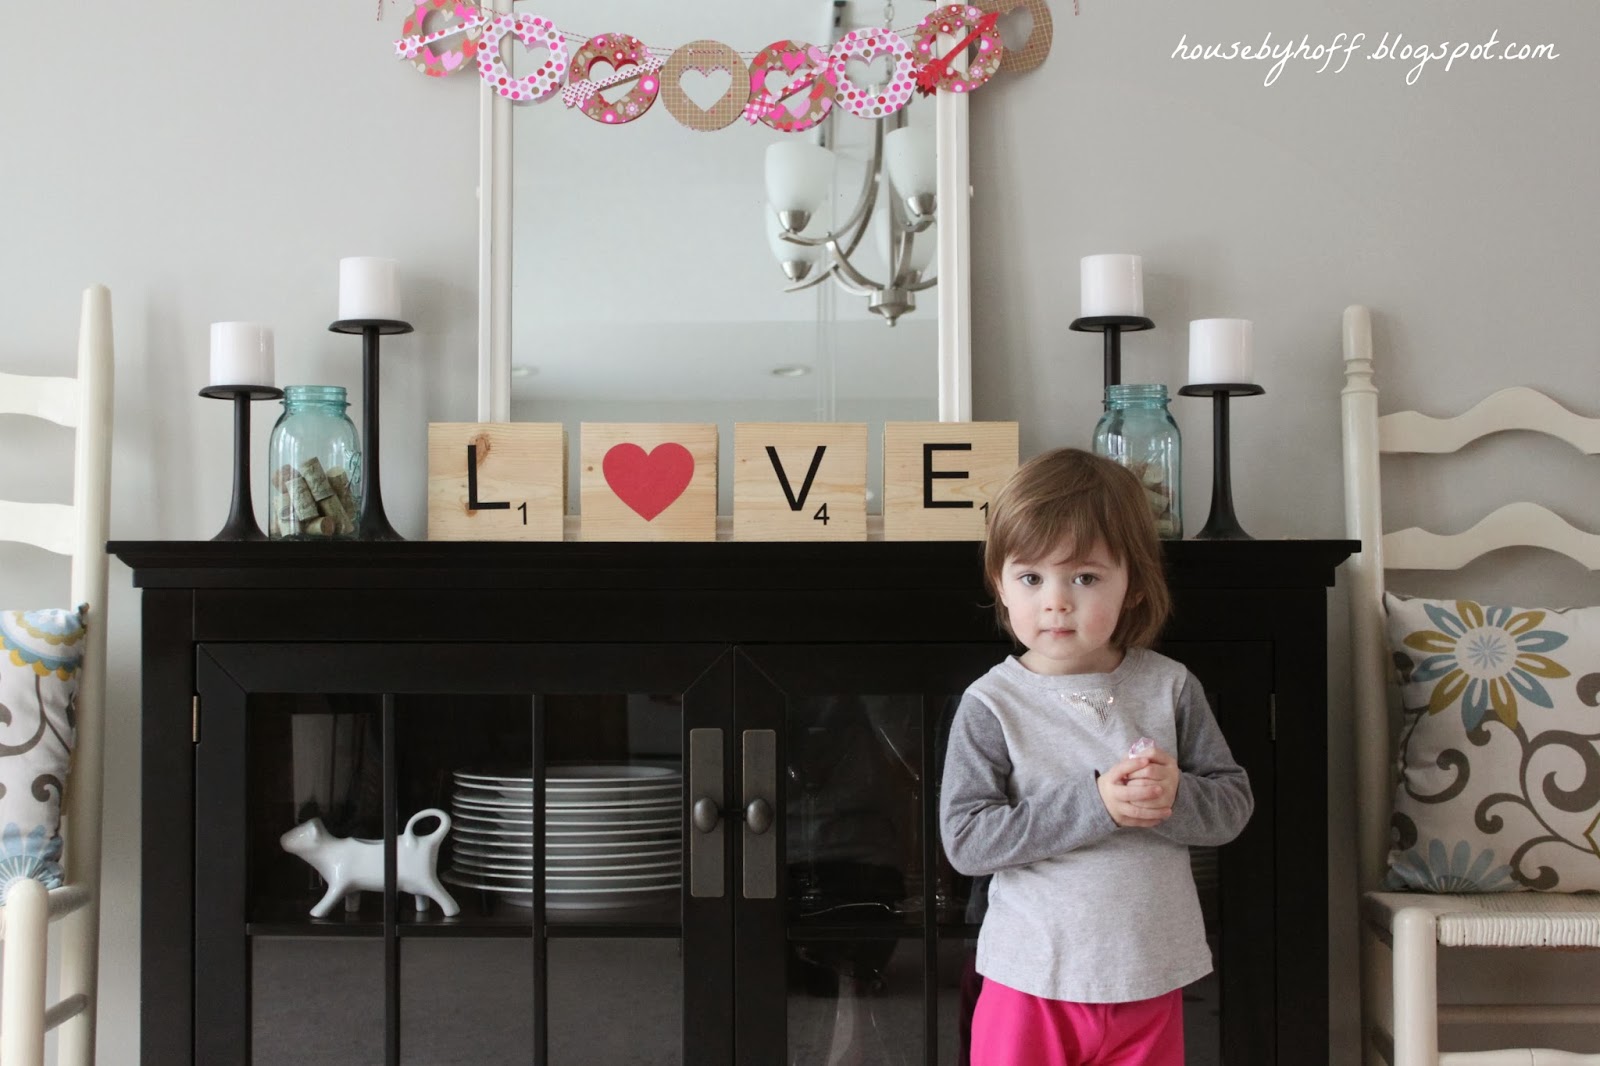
1094, 924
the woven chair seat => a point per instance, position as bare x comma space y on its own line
1499, 920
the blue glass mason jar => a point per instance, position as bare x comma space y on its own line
1138, 432
314, 456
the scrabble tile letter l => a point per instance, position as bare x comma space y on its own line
496, 480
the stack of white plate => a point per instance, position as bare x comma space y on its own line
613, 835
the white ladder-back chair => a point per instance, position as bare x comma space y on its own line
78, 530
1402, 931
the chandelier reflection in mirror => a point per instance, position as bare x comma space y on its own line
900, 173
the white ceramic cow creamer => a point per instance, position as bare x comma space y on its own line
351, 865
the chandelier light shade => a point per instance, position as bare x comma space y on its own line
799, 177
795, 259
909, 154
896, 200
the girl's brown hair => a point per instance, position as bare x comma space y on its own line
1069, 496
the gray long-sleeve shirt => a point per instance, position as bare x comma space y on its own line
1081, 909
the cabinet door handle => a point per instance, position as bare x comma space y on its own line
760, 785
758, 816
706, 815
707, 871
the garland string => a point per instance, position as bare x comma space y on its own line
486, 14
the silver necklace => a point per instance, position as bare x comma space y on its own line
1096, 701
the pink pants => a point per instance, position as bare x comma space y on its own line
1011, 1028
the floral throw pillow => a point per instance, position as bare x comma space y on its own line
40, 652
1499, 747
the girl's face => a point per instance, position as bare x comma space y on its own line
1065, 608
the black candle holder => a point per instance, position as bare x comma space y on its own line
1221, 523
372, 523
1113, 327
241, 524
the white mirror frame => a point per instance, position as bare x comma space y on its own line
954, 191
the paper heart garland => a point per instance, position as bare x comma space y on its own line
705, 57
534, 33
867, 45
969, 25
436, 63
628, 59
650, 482
810, 79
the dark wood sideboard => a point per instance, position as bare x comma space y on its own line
355, 681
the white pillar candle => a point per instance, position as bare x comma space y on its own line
241, 353
368, 289
1219, 352
1111, 285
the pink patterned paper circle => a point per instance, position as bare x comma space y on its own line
436, 64
618, 50
959, 21
810, 72
533, 32
868, 45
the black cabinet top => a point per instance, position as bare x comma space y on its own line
730, 565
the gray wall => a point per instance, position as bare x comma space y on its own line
212, 161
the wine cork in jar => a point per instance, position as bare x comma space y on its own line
339, 479
316, 480
282, 516
302, 504
332, 508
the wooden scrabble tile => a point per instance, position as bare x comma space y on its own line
496, 480
799, 481
939, 478
648, 481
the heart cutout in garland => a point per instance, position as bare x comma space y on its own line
1016, 28
706, 89
650, 482
797, 104
603, 71
874, 71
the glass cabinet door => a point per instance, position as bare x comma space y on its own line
312, 795
520, 843
858, 949
876, 931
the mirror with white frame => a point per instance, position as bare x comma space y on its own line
634, 274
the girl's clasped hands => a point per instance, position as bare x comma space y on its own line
1140, 790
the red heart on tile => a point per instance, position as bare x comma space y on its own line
648, 483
